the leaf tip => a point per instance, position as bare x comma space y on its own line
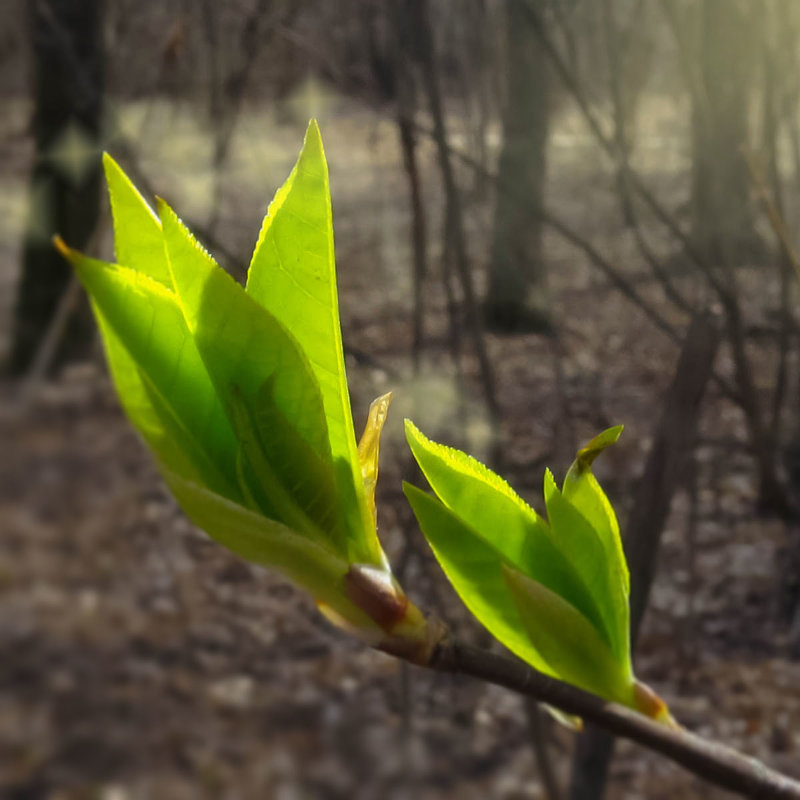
63, 247
162, 206
411, 491
589, 452
411, 430
550, 484
115, 176
313, 138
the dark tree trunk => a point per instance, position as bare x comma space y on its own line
722, 214
66, 37
516, 298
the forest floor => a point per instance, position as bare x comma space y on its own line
140, 660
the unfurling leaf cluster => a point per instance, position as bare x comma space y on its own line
241, 395
555, 591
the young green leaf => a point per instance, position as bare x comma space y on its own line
138, 243
269, 392
154, 421
582, 490
292, 274
310, 564
475, 569
498, 515
149, 331
300, 490
572, 645
550, 592
579, 541
250, 422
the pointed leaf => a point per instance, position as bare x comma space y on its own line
148, 323
138, 243
475, 569
501, 518
244, 346
293, 275
584, 492
581, 544
369, 448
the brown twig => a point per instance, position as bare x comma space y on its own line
716, 763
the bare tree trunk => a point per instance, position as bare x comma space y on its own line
722, 214
516, 299
66, 37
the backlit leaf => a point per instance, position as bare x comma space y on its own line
138, 243
475, 569
292, 274
310, 564
501, 518
149, 327
571, 645
369, 448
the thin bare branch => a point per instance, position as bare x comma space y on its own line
716, 763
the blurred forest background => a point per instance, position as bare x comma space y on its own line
551, 216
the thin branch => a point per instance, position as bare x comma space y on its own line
716, 763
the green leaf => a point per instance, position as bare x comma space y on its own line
163, 434
475, 569
310, 564
583, 491
138, 243
292, 275
246, 350
569, 642
501, 556
580, 542
502, 519
150, 332
301, 491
